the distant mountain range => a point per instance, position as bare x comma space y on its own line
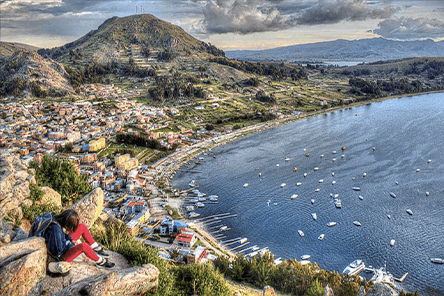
363, 50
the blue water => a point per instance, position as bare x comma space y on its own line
405, 133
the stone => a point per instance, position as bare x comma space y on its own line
131, 281
89, 207
7, 232
22, 266
268, 291
51, 196
328, 291
361, 291
380, 289
21, 234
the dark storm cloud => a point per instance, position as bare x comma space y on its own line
409, 28
248, 16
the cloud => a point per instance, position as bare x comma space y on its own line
249, 16
405, 28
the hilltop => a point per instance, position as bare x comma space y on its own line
24, 72
362, 50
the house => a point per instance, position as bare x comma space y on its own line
197, 255
184, 240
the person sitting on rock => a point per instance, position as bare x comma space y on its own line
60, 244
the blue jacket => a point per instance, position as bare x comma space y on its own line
57, 241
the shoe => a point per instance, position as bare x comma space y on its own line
104, 263
99, 251
58, 269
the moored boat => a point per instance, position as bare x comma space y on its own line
193, 215
361, 197
305, 257
298, 184
354, 268
437, 260
392, 242
321, 237
283, 185
409, 212
356, 188
357, 223
330, 224
192, 183
245, 185
301, 233
315, 217
294, 196
392, 194
312, 201
199, 204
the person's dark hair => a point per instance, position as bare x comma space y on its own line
68, 219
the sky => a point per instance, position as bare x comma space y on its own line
229, 24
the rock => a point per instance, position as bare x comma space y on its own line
362, 292
131, 281
21, 234
51, 196
6, 232
22, 266
268, 291
328, 291
89, 207
82, 270
380, 289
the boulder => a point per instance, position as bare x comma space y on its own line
268, 291
328, 291
89, 207
131, 281
51, 196
6, 232
380, 289
22, 266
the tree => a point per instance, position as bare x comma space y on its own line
315, 289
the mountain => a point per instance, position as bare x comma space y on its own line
137, 36
24, 72
362, 50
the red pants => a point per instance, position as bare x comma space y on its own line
75, 251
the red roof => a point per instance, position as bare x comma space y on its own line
131, 204
140, 203
184, 238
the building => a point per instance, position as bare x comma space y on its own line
184, 240
197, 255
125, 162
97, 145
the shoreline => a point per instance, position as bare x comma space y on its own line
197, 149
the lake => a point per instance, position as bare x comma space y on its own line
388, 141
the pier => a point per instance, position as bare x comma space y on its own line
401, 279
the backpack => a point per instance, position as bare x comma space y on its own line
41, 223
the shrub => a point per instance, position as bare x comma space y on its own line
34, 210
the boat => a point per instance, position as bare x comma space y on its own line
189, 208
356, 188
321, 181
380, 275
275, 204
322, 155
193, 215
427, 193
437, 260
213, 197
333, 183
333, 173
315, 217
336, 195
260, 174
304, 262
343, 147
317, 190
330, 224
429, 161
354, 268
321, 237
357, 223
201, 198
199, 204
298, 184
294, 196
312, 201
343, 155
283, 185
392, 242
287, 159
277, 165
295, 169
333, 152
192, 183
418, 170
392, 194
307, 154
301, 233
397, 183
242, 240
361, 197
305, 175
388, 216
338, 203
364, 174
315, 169
277, 261
305, 257
223, 228
409, 212
334, 159
245, 185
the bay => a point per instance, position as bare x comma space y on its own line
388, 141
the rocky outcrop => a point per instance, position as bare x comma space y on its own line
268, 291
380, 289
131, 281
51, 196
6, 232
89, 207
14, 182
22, 266
328, 291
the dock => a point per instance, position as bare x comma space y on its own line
401, 279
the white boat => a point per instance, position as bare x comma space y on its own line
199, 204
298, 184
334, 159
305, 257
245, 185
277, 165
364, 174
354, 268
343, 155
223, 228
277, 261
213, 197
242, 240
312, 201
397, 183
283, 185
409, 212
330, 224
427, 193
294, 196
333, 152
260, 174
301, 233
321, 181
357, 223
418, 170
336, 195
380, 275
437, 260
333, 173
190, 208
317, 190
322, 155
361, 197
333, 182
201, 198
321, 237
338, 203
192, 183
275, 204
429, 161
356, 188
388, 216
315, 217
193, 215
305, 175
392, 194
392, 242
287, 158
316, 169
304, 262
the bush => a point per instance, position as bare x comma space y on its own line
34, 210
36, 193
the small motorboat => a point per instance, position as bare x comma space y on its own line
427, 193
277, 165
332, 173
305, 257
245, 185
364, 174
333, 183
418, 170
392, 242
336, 195
260, 174
392, 194
192, 183
283, 185
315, 217
343, 156
295, 169
321, 237
199, 204
338, 203
312, 201
388, 216
334, 159
322, 155
315, 169
223, 228
307, 154
301, 233
305, 175
294, 196
357, 223
317, 190
429, 161
397, 183
356, 188
304, 262
437, 260
361, 197
213, 197
287, 159
354, 268
321, 181
193, 215
331, 224
333, 152
298, 184
409, 212
343, 147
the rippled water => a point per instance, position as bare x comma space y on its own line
405, 133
